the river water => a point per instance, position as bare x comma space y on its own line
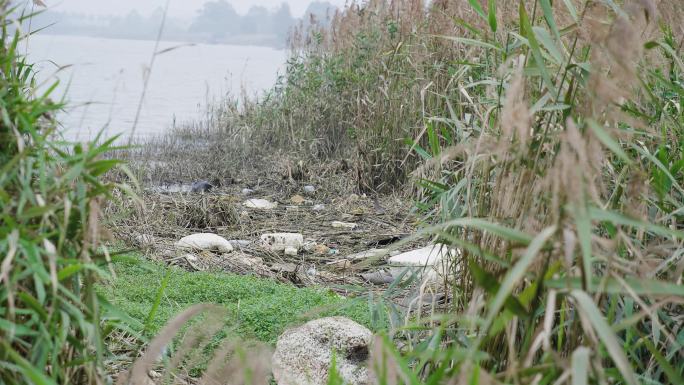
103, 80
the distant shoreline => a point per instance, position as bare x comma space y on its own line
264, 41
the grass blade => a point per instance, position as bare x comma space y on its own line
528, 32
548, 16
605, 333
157, 300
516, 274
608, 141
492, 15
580, 366
478, 8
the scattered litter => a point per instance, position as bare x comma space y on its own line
297, 199
261, 204
340, 264
239, 243
358, 211
168, 254
310, 245
249, 261
205, 241
284, 267
309, 189
291, 251
321, 249
379, 277
430, 257
344, 225
281, 241
237, 216
201, 187
154, 375
371, 253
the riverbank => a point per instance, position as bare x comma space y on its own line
341, 268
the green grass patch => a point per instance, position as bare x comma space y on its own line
259, 308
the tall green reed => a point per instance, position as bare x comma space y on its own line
556, 197
52, 322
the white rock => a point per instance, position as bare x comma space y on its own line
247, 191
261, 204
371, 253
190, 257
429, 262
281, 241
289, 250
205, 241
309, 189
303, 354
344, 225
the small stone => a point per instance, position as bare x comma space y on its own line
144, 240
297, 199
291, 251
190, 257
344, 225
205, 241
309, 189
261, 204
247, 191
318, 207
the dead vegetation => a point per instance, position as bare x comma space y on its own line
158, 219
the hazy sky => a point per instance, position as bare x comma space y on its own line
177, 8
